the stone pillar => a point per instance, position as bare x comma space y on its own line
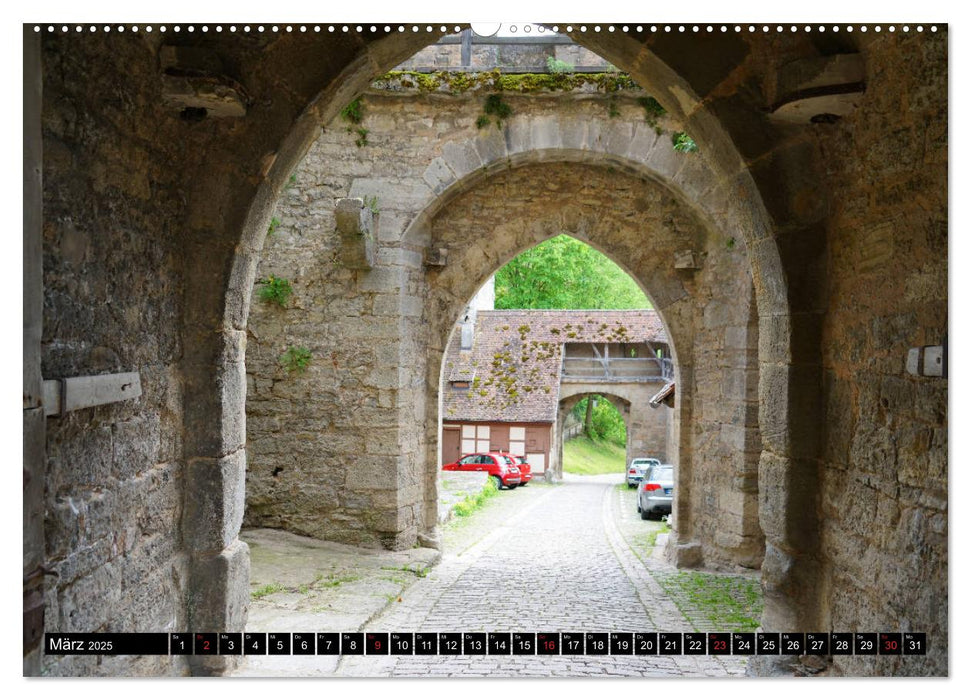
217, 594
647, 428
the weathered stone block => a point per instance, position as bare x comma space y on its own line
214, 501
356, 225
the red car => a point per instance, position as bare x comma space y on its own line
502, 468
525, 471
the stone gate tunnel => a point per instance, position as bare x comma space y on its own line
244, 255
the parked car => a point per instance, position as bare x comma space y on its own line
638, 465
525, 471
655, 493
501, 468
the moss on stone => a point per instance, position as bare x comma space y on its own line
461, 82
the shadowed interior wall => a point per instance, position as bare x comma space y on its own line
113, 302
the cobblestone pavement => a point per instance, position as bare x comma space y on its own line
558, 563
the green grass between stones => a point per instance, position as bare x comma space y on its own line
725, 602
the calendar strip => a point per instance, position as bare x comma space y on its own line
489, 643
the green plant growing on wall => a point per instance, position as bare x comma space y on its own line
612, 109
482, 121
652, 111
730, 243
296, 359
353, 112
555, 65
371, 202
291, 183
275, 290
361, 140
274, 225
495, 107
683, 143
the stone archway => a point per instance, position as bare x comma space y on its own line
647, 428
845, 228
641, 225
216, 472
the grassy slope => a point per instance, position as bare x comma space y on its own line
582, 455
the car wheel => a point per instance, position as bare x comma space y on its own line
512, 486
645, 515
497, 481
525, 483
630, 485
639, 506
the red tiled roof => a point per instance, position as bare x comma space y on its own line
513, 368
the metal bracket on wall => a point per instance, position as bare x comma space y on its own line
928, 361
63, 395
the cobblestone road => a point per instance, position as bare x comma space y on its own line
558, 563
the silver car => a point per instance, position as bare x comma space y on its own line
639, 465
656, 491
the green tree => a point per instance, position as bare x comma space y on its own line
602, 420
564, 273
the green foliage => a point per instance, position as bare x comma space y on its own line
683, 143
291, 183
494, 107
564, 273
612, 109
361, 140
274, 225
296, 359
371, 202
458, 83
473, 503
652, 111
606, 423
353, 112
482, 121
730, 243
581, 455
555, 65
727, 602
275, 290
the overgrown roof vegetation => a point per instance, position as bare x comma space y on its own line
559, 79
495, 80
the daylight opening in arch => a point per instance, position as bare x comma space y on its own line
554, 361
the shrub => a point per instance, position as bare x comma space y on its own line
353, 112
275, 290
494, 107
683, 143
295, 359
555, 65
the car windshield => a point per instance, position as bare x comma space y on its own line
509, 461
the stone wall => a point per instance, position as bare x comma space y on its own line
347, 449
884, 460
508, 56
112, 303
